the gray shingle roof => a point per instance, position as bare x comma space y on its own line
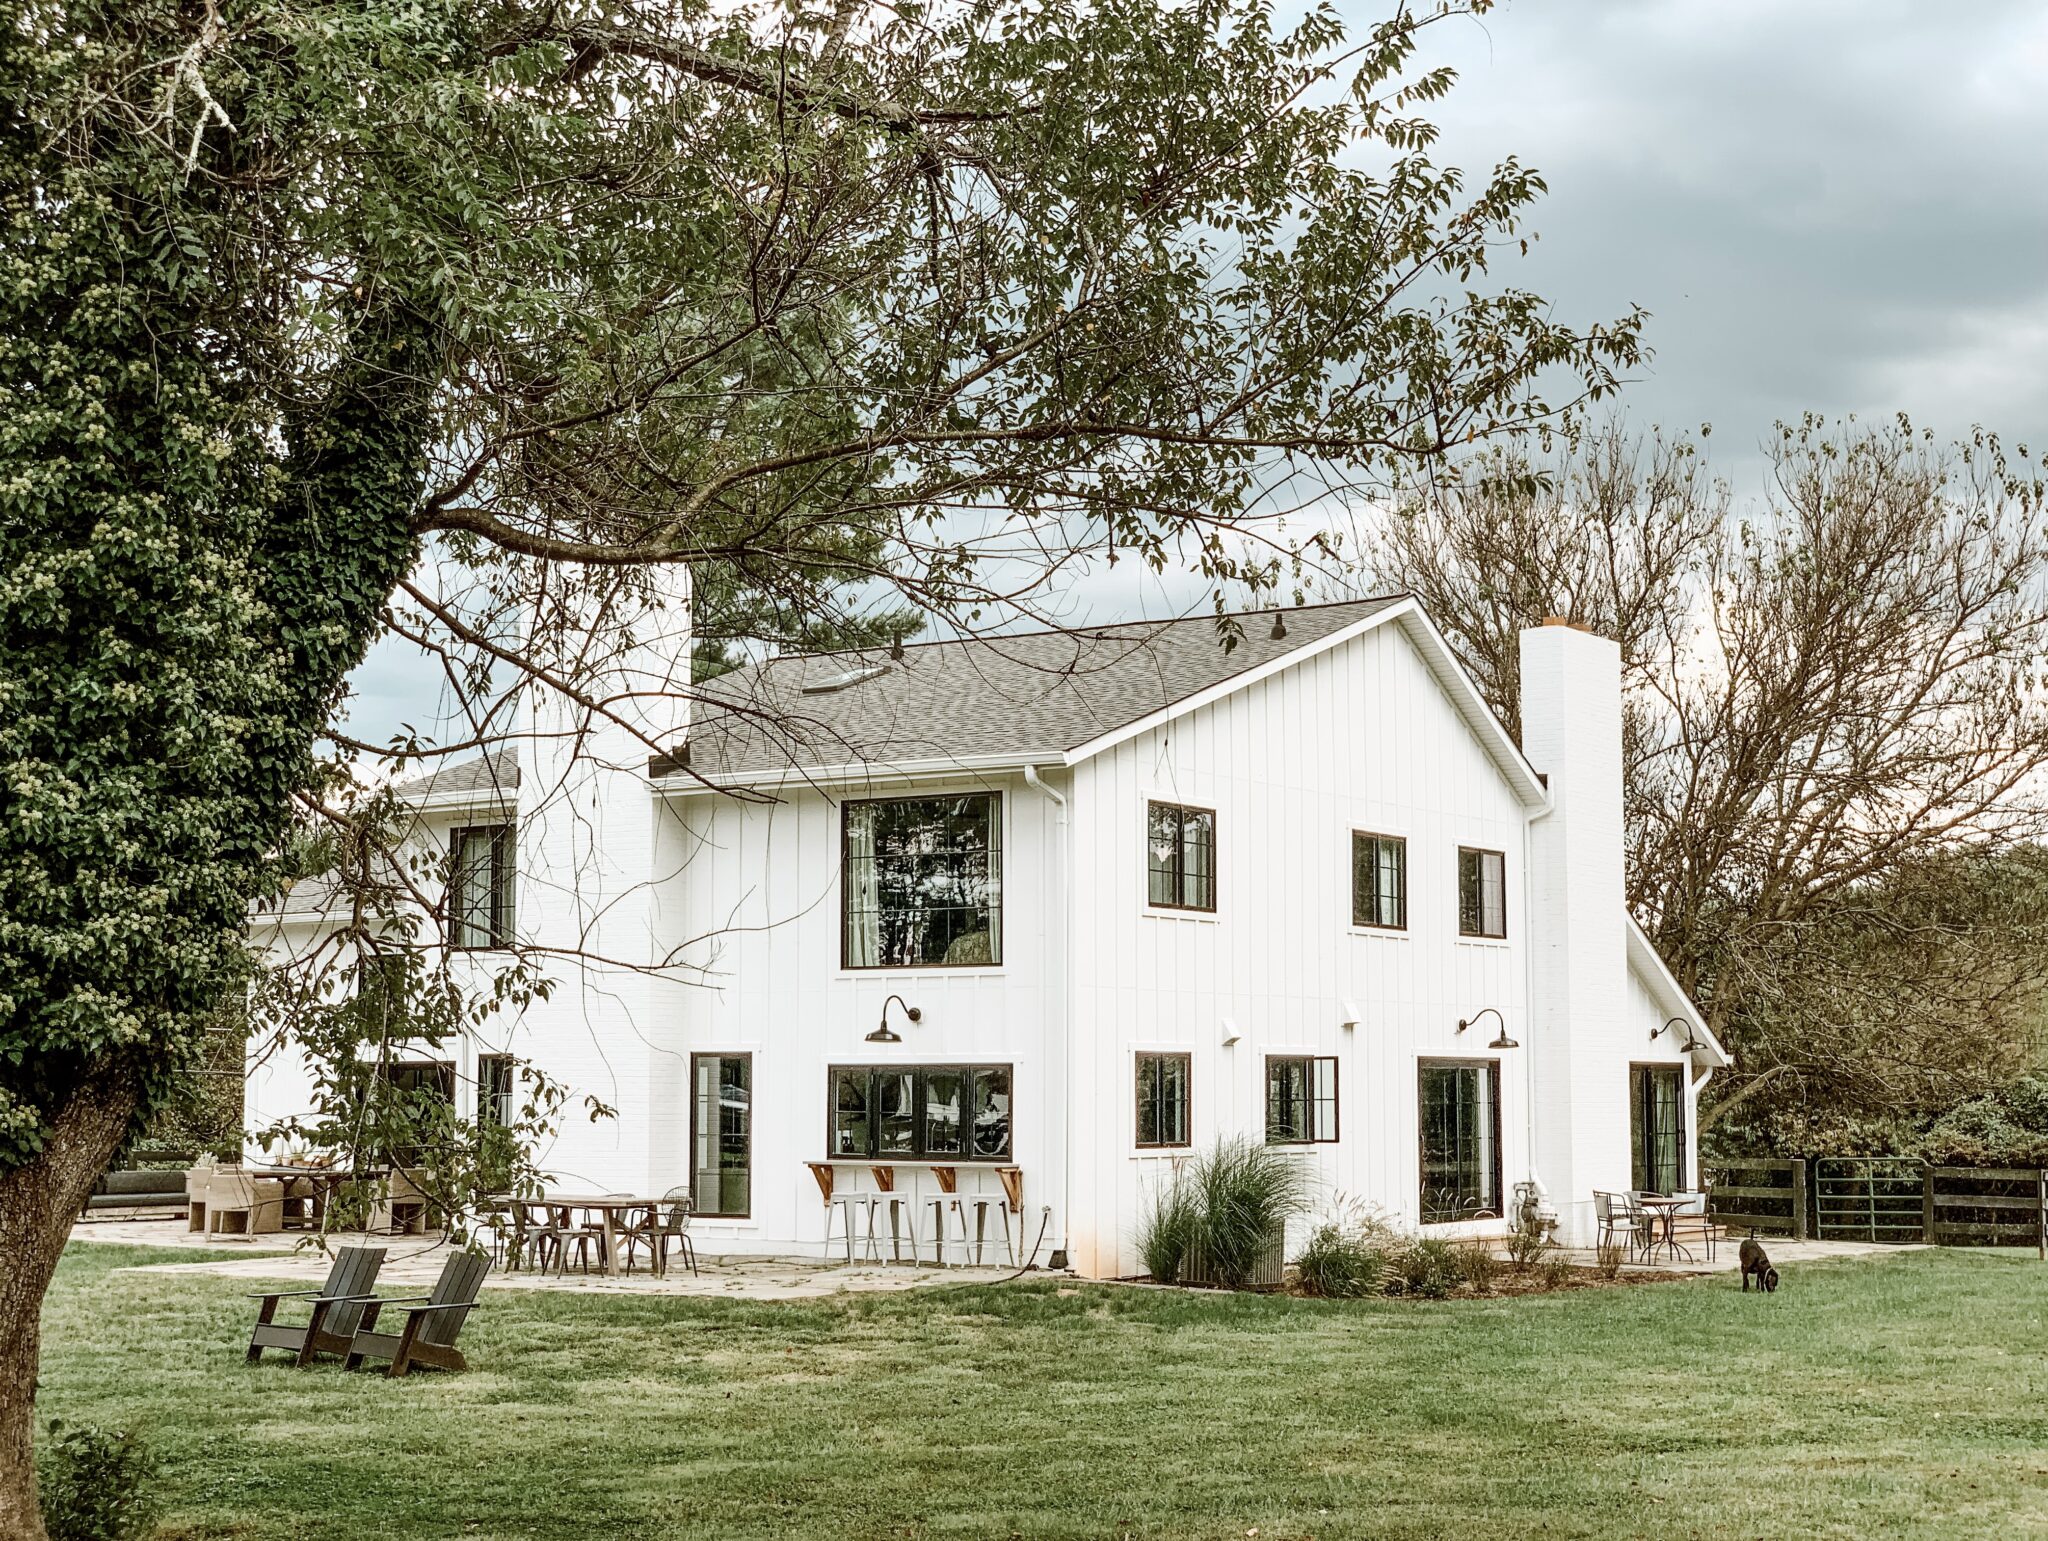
497, 771
1031, 694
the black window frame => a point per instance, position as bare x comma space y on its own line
504, 875
919, 1151
1160, 1097
1477, 910
696, 1201
1177, 874
1486, 1067
1310, 1101
490, 1091
1643, 1135
1400, 843
993, 852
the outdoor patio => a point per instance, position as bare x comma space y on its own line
416, 1261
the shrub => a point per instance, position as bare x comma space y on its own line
1342, 1263
1526, 1247
1165, 1229
1557, 1270
1430, 1267
1607, 1258
95, 1484
1480, 1266
1243, 1191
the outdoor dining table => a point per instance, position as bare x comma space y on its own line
1664, 1211
316, 1186
607, 1207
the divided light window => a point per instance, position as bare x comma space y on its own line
913, 1112
922, 885
495, 1094
1163, 1100
1379, 881
1460, 1140
480, 877
1656, 1124
1180, 857
1482, 893
1301, 1099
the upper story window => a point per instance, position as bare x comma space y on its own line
1180, 857
1379, 881
480, 879
1163, 1100
1301, 1099
923, 882
1482, 893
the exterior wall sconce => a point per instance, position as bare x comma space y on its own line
1230, 1032
1502, 1041
882, 1034
1691, 1043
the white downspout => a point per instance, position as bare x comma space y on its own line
1529, 999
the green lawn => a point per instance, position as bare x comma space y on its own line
1901, 1397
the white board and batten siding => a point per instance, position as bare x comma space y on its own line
751, 899
1360, 737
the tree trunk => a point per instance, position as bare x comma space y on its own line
38, 1202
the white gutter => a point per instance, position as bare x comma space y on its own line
786, 778
1529, 1035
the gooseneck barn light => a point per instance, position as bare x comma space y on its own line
883, 1033
1502, 1041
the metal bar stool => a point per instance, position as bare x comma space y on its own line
981, 1204
846, 1205
902, 1212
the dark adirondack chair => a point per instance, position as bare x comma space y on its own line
432, 1322
337, 1309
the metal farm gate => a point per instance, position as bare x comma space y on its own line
1869, 1198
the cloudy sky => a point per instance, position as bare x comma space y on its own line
1828, 205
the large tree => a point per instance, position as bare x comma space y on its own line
306, 302
1835, 735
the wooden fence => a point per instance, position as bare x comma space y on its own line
1768, 1196
1884, 1199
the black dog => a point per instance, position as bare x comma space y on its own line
1756, 1264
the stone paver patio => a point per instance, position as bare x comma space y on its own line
416, 1261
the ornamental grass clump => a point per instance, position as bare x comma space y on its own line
1218, 1218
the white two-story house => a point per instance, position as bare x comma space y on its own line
1038, 916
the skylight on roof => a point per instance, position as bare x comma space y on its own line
850, 678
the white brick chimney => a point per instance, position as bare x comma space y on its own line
1579, 1033
594, 845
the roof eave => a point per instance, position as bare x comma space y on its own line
814, 777
1644, 958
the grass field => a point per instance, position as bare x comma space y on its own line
1901, 1397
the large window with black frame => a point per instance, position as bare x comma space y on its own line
1656, 1121
920, 1112
1180, 857
480, 886
1163, 1101
1460, 1120
1379, 881
922, 882
722, 1134
1482, 893
1301, 1099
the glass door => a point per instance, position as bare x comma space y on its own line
722, 1133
